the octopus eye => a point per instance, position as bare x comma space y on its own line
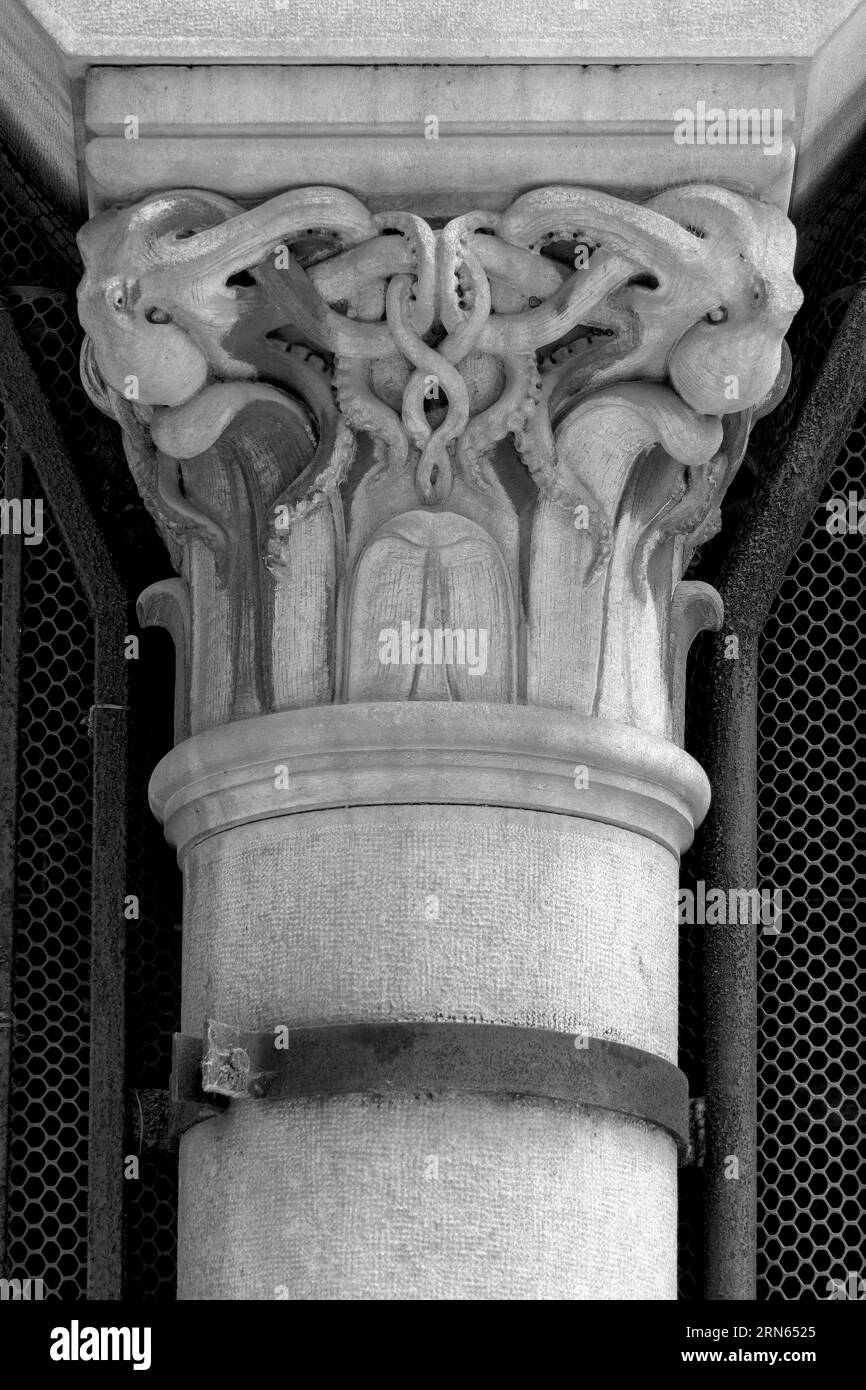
155, 315
717, 315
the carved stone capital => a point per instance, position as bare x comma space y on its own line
393, 461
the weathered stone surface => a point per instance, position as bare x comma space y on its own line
440, 141
463, 913
445, 1197
802, 61
432, 491
409, 753
516, 428
466, 30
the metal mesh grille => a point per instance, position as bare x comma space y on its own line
49, 1081
47, 1178
811, 846
810, 778
810, 837
48, 1122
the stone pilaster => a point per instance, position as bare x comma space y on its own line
431, 494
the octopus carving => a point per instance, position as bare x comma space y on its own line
520, 424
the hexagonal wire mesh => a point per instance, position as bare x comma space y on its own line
810, 837
47, 1162
47, 1169
810, 992
810, 977
49, 1080
808, 1177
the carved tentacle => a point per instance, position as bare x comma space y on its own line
636, 230
433, 473
365, 412
242, 397
533, 275
569, 306
422, 241
338, 278
194, 520
307, 375
188, 430
512, 412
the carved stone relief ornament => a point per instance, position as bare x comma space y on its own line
506, 435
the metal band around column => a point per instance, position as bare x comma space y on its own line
382, 1059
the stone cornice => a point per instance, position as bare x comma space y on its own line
582, 60
439, 141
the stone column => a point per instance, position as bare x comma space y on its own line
431, 495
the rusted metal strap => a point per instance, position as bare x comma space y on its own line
381, 1059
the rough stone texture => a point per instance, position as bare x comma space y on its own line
522, 502
816, 42
426, 752
449, 912
319, 501
427, 1198
833, 111
461, 31
501, 130
435, 911
36, 110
